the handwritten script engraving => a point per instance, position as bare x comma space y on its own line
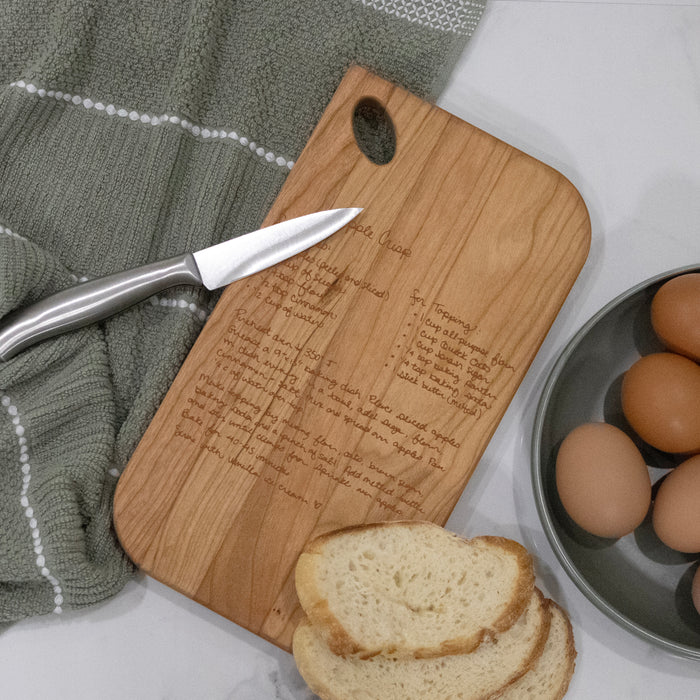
253, 411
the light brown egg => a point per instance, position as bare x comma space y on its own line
661, 401
602, 480
696, 590
675, 315
676, 513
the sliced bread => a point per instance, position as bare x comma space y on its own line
411, 588
497, 662
550, 676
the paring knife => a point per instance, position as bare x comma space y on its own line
212, 267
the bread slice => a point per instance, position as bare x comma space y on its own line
497, 662
550, 677
411, 588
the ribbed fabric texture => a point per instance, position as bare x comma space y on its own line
130, 132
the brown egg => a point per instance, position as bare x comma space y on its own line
602, 480
676, 513
696, 590
675, 315
661, 401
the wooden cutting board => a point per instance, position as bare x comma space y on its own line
361, 380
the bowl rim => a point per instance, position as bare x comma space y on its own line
677, 648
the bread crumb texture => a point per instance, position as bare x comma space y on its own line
409, 610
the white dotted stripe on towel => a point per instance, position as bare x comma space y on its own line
7, 232
11, 234
445, 15
156, 120
200, 312
25, 503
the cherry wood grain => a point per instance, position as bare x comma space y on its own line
361, 380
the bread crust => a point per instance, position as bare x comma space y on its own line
318, 610
570, 650
569, 654
529, 664
306, 667
307, 664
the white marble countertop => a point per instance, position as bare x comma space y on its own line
608, 93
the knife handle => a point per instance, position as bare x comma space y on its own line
92, 301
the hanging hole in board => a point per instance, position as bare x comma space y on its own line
374, 131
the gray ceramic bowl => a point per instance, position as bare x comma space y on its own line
636, 580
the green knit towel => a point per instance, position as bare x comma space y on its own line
129, 132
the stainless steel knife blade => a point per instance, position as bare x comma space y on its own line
239, 257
